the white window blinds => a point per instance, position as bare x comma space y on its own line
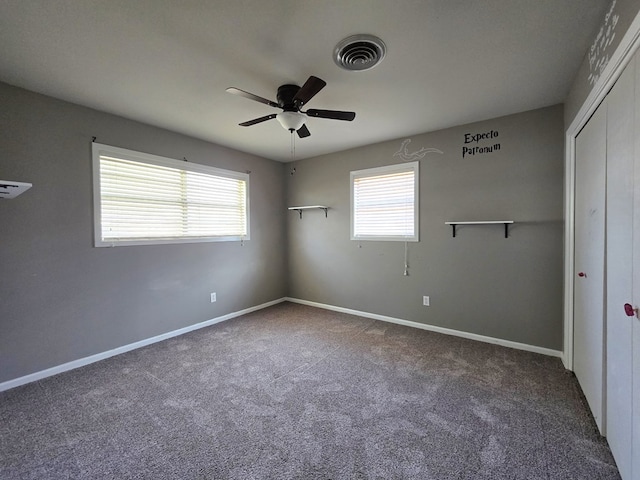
385, 203
144, 199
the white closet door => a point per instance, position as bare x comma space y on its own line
619, 254
635, 301
588, 322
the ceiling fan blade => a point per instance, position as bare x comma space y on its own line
332, 114
303, 131
251, 96
312, 86
257, 120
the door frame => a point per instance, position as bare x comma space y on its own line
617, 63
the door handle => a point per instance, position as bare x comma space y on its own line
582, 274
630, 311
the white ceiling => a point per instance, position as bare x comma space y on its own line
168, 62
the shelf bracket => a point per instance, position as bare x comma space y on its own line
307, 207
506, 224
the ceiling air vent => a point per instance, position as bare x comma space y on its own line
359, 52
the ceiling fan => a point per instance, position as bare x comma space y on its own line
291, 99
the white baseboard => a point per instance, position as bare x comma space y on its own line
433, 328
126, 348
148, 341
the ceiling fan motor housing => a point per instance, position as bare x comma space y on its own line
285, 97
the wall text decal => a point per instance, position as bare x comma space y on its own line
471, 138
404, 154
598, 54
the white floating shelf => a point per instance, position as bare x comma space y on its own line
308, 207
9, 189
506, 224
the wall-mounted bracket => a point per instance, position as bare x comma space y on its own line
483, 222
307, 207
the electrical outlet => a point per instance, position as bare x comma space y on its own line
425, 301
213, 297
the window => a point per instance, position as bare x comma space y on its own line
142, 199
384, 203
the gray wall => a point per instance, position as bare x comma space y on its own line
62, 299
626, 11
478, 282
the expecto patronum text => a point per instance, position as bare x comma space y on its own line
475, 138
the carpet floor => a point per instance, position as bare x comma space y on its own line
295, 392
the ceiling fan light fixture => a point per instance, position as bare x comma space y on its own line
290, 120
359, 52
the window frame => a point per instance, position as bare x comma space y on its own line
99, 150
385, 170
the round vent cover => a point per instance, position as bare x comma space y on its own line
359, 52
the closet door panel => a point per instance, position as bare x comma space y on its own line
635, 301
589, 261
619, 266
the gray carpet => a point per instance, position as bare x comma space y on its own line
297, 392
